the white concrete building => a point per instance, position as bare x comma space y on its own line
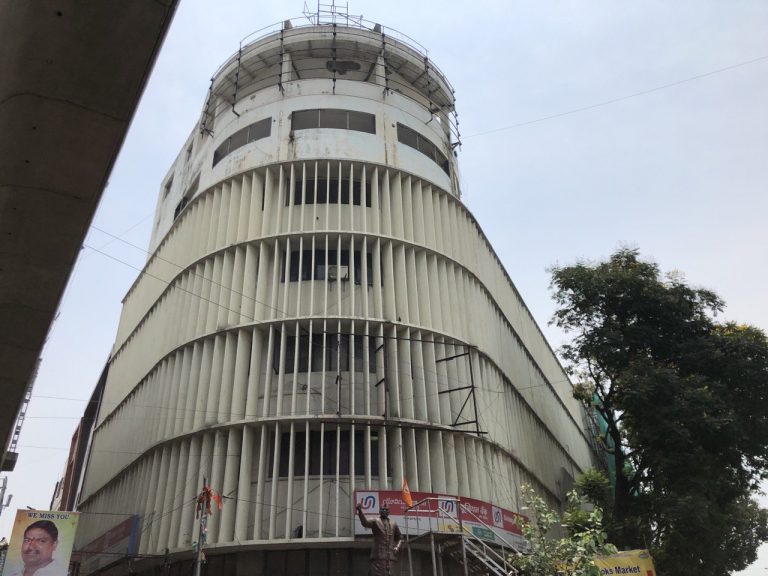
320, 315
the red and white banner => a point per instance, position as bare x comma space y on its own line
476, 516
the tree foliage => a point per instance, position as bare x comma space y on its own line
571, 555
685, 402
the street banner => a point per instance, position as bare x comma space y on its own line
482, 519
41, 543
628, 562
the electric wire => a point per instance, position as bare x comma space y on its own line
618, 99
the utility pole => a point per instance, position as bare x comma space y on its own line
203, 511
203, 508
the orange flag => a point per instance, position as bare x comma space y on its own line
205, 497
407, 493
216, 497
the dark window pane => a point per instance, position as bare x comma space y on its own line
303, 119
333, 191
374, 454
356, 266
359, 453
298, 456
303, 194
317, 353
344, 187
407, 136
314, 453
292, 262
180, 206
329, 441
369, 263
338, 353
329, 453
356, 192
331, 118
303, 353
285, 446
319, 191
261, 129
310, 192
344, 452
306, 265
263, 194
220, 152
415, 140
276, 351
322, 191
357, 353
299, 265
320, 264
426, 147
371, 354
296, 194
362, 122
443, 162
238, 139
290, 354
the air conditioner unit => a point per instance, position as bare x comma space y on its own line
344, 273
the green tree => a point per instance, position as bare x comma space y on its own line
685, 400
571, 555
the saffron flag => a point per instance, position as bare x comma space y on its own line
216, 496
407, 494
204, 500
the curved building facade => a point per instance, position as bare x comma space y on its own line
320, 315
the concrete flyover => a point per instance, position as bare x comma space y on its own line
71, 76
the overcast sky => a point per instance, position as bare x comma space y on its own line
585, 126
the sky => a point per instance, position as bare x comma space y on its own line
586, 126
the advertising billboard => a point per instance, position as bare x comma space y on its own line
629, 562
482, 519
41, 543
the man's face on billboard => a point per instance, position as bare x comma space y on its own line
37, 548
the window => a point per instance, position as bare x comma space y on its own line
259, 130
238, 139
333, 118
330, 191
251, 133
415, 140
303, 270
167, 187
328, 441
334, 356
180, 206
194, 185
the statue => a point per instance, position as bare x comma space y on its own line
387, 540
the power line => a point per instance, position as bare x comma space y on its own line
115, 237
618, 99
180, 267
